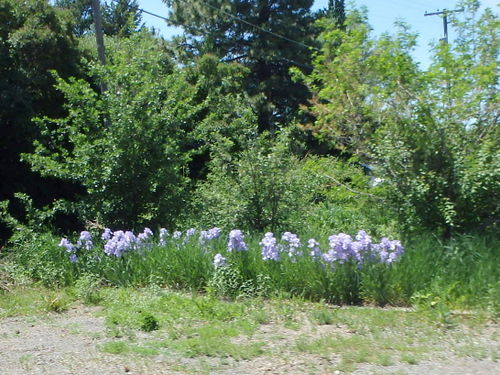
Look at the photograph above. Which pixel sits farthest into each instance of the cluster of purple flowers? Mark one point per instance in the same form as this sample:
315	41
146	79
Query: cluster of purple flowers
269	247
314	250
342	248
291	244
208	235
123	241
219	260
388	251
236	241
163	237
271	250
145	236
70	248
84	243
190	232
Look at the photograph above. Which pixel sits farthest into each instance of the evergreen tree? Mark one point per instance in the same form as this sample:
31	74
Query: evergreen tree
245	31
80	12
336	11
121	18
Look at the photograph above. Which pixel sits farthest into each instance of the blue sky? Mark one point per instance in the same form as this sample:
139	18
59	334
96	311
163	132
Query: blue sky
382	15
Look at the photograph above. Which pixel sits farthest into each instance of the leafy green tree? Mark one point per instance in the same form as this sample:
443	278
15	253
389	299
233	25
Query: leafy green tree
34	40
432	135
242	31
132	147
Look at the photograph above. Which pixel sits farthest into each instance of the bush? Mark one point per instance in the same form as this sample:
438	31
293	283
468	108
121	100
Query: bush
267	188
259	189
132	147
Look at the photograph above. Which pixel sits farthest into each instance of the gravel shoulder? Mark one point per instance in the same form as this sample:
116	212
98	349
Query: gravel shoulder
71	342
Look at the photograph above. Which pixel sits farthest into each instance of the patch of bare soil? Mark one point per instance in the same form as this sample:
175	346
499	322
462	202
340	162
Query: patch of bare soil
61	344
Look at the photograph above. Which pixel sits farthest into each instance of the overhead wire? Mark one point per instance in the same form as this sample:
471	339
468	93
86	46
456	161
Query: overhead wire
238	19
147	12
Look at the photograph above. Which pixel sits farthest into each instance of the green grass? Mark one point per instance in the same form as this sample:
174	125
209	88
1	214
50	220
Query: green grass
192	325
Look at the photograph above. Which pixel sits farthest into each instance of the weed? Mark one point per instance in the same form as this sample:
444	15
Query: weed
115	347
26	361
260	316
408	358
87	289
434	307
55	302
227	282
148	322
385	359
323	316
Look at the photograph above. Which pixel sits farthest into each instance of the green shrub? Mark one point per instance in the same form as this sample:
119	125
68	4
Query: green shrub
265	187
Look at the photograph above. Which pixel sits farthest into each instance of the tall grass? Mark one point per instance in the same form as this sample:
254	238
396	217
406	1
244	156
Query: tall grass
463	272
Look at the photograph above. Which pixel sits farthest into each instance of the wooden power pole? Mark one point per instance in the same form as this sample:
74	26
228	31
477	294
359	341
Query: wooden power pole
96	11
445	13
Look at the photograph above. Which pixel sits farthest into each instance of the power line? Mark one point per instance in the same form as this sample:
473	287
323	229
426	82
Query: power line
147	12
238	19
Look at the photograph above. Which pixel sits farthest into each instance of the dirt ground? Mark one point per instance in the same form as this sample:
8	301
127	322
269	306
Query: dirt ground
69	343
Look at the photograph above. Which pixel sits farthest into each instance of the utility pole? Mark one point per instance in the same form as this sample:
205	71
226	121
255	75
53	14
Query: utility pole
445	13
96	11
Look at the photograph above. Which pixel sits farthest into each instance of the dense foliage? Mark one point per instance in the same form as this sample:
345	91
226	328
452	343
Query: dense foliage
433	135
131	147
34	39
242	31
324	130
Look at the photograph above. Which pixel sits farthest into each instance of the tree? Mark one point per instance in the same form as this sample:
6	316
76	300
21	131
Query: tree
120	17
433	135
242	31
34	40
132	147
80	12
336	10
